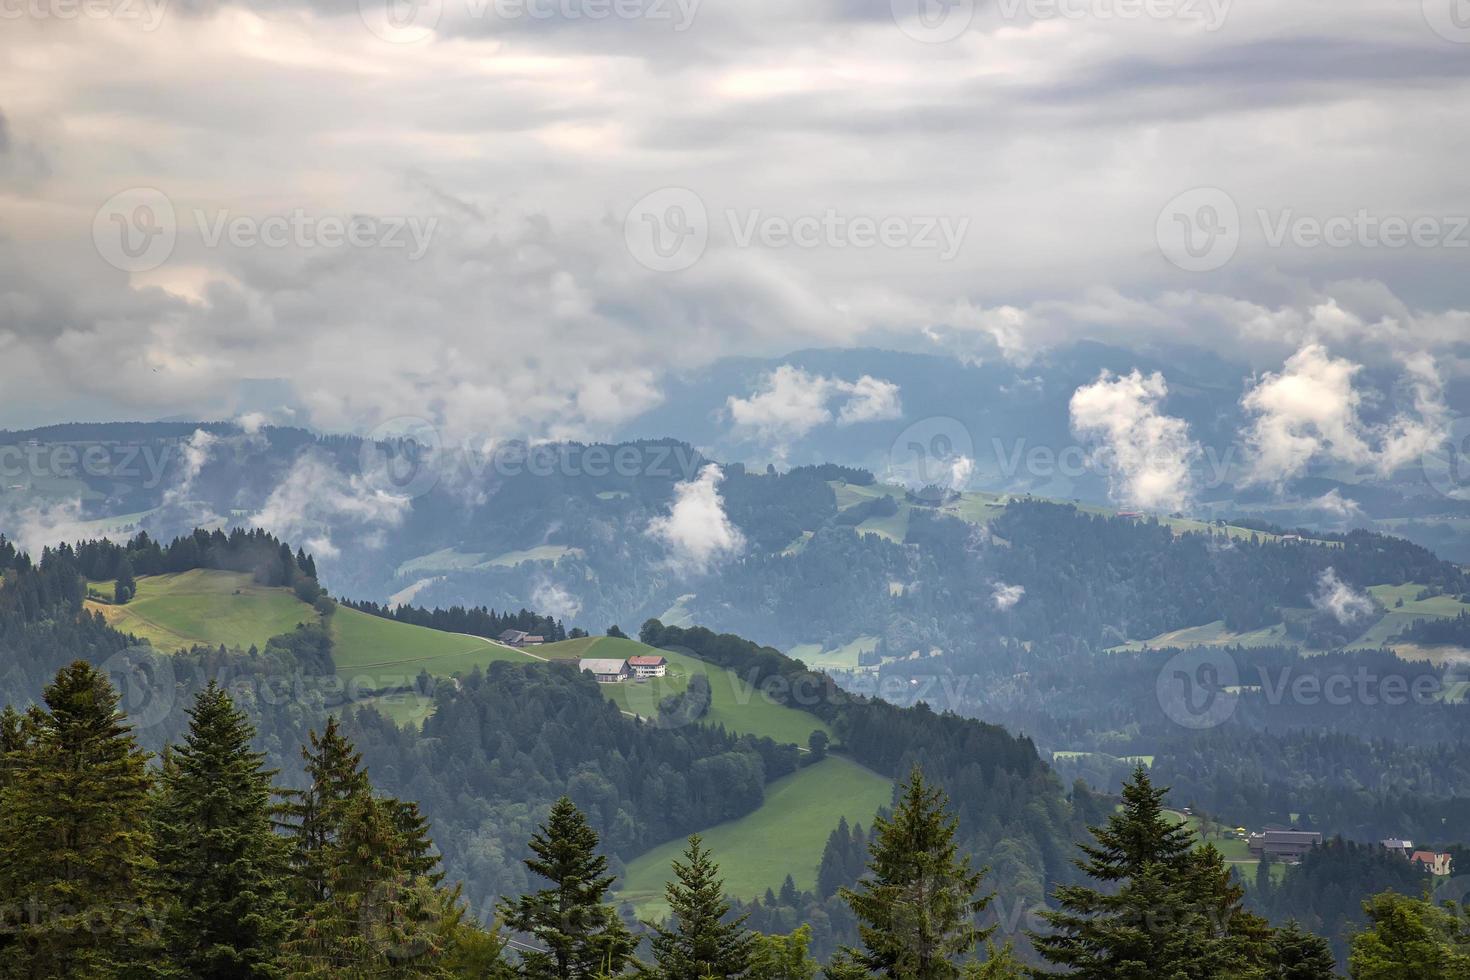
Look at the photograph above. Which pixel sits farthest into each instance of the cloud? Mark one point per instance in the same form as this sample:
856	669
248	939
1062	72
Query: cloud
44	524
696	530
1005	596
1340	600
316	501
1310	411
527	317
551	599
1334	504
1147	454
790	402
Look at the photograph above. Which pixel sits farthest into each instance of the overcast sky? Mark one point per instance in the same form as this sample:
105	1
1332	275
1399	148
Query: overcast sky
553	204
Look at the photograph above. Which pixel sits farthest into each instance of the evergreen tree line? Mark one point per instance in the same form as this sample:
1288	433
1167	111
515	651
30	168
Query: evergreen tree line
477	621
268	559
198	866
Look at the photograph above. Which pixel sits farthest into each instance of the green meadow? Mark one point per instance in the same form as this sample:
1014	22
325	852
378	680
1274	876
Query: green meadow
785	835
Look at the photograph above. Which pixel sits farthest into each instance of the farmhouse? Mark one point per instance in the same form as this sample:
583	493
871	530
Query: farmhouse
648	666
519	638
1396	845
606	671
1437	864
1283	845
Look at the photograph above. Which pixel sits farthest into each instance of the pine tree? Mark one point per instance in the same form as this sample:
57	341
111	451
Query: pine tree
75	838
314	816
1299	955
220	865
703	946
1167	909
917	910
124	587
1410	939
581	934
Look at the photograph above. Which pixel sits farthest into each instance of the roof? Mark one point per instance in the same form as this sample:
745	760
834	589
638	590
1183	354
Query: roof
512	635
646	661
601	666
1428	857
1288	836
1397	844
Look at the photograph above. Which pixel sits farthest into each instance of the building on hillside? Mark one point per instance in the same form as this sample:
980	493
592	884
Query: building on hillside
605	671
531	640
1282	845
648	666
1436	863
1403	848
513	638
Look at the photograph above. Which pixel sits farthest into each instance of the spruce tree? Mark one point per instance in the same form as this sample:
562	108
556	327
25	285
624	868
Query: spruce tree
314	816
220	865
1165	910
580	933
702	946
917	911
75	837
1299	955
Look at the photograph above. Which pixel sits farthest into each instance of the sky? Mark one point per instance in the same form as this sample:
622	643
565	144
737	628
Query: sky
523	217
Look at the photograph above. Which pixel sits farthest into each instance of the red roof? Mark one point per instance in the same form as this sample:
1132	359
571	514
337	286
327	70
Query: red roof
1427	857
646	661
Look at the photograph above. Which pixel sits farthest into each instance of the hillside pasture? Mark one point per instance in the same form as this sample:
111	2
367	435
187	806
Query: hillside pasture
204	607
734	703
785	835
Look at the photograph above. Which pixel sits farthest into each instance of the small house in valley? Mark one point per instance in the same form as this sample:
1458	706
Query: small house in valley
654	666
606	671
1283	845
1435	862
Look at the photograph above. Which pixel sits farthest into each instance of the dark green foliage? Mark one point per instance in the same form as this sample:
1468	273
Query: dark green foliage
917	909
1411	939
125	587
1299	955
704	942
580	933
478	621
221	868
75	838
1163	909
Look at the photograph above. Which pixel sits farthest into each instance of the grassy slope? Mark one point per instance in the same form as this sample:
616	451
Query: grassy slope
451	560
174	612
371	648
735	704
844	657
784	836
